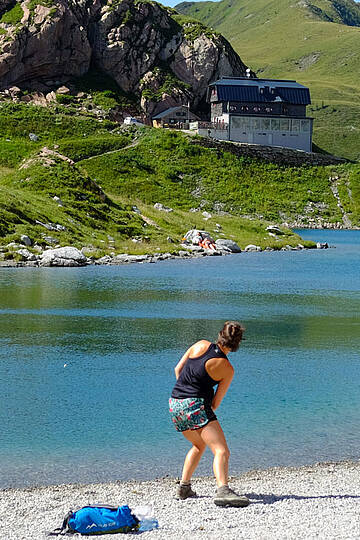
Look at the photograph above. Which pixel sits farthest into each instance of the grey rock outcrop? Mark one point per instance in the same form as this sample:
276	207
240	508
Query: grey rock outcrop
26	255
25	240
195	236
229	245
162	208
252	247
48	42
141	45
274	229
64	256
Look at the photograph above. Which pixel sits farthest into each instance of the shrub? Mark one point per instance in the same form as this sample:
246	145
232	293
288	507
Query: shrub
13	16
63	99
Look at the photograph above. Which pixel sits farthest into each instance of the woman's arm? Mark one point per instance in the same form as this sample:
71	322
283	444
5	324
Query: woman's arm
179	366
223	386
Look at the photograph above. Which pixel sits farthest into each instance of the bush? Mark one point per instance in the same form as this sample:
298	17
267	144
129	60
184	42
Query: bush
13	16
63	99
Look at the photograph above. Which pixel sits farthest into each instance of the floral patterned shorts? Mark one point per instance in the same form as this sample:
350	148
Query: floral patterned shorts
190	413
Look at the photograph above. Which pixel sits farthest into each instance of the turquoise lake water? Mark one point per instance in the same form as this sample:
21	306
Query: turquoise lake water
295	398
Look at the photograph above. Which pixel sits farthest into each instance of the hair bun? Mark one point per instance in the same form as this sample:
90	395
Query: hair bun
231	335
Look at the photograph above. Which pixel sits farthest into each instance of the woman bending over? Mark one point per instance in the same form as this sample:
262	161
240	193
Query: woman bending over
192	405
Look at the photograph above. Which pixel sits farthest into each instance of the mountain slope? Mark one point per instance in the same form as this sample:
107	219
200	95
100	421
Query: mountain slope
315	42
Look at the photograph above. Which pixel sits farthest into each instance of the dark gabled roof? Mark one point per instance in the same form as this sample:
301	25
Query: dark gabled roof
261	90
171	111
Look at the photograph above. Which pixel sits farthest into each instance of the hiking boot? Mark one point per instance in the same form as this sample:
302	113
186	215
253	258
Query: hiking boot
227	497
184	491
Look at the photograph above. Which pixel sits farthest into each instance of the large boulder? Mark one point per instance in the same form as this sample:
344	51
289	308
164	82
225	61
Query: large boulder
64	256
227	245
26	255
195	236
274	229
143	46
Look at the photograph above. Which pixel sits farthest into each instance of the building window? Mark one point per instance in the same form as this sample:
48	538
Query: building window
284	124
266	124
305	126
295	125
275	124
246	123
236	122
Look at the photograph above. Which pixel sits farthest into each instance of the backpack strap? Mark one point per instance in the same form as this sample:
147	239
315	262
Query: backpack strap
64	529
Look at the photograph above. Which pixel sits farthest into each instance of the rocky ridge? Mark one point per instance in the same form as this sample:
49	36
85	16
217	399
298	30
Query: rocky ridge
147	49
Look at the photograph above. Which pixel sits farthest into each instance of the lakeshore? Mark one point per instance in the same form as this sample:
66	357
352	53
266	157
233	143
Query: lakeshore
59	258
316	501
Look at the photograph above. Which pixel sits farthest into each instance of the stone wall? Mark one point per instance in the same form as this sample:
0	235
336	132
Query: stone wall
273	154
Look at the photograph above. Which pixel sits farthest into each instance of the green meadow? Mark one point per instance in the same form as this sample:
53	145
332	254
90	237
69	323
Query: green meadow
315	43
100	172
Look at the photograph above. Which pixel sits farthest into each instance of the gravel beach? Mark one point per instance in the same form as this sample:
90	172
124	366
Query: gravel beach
321	501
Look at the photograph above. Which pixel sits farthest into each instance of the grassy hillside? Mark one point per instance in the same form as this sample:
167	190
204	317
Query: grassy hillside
317	43
79	181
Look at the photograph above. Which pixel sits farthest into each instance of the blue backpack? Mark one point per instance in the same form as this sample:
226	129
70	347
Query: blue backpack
99	519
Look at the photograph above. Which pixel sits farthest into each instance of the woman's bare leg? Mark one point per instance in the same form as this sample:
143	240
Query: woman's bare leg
194	455
213	436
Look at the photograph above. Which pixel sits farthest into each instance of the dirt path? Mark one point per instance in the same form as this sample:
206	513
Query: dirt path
132	145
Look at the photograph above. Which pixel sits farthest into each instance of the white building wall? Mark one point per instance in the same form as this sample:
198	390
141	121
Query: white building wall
264	131
293	133
299	141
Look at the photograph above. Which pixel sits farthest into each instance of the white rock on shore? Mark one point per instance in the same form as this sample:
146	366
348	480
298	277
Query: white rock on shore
63	256
320	501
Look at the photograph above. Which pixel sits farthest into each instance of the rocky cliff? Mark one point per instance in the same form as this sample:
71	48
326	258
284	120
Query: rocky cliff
151	51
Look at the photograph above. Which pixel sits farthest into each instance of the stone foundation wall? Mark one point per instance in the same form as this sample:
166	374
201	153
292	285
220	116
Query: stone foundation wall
273	154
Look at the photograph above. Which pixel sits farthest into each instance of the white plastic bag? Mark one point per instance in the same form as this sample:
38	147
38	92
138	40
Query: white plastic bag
145	515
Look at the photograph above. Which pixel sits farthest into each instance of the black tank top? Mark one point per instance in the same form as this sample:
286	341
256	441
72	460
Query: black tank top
194	381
